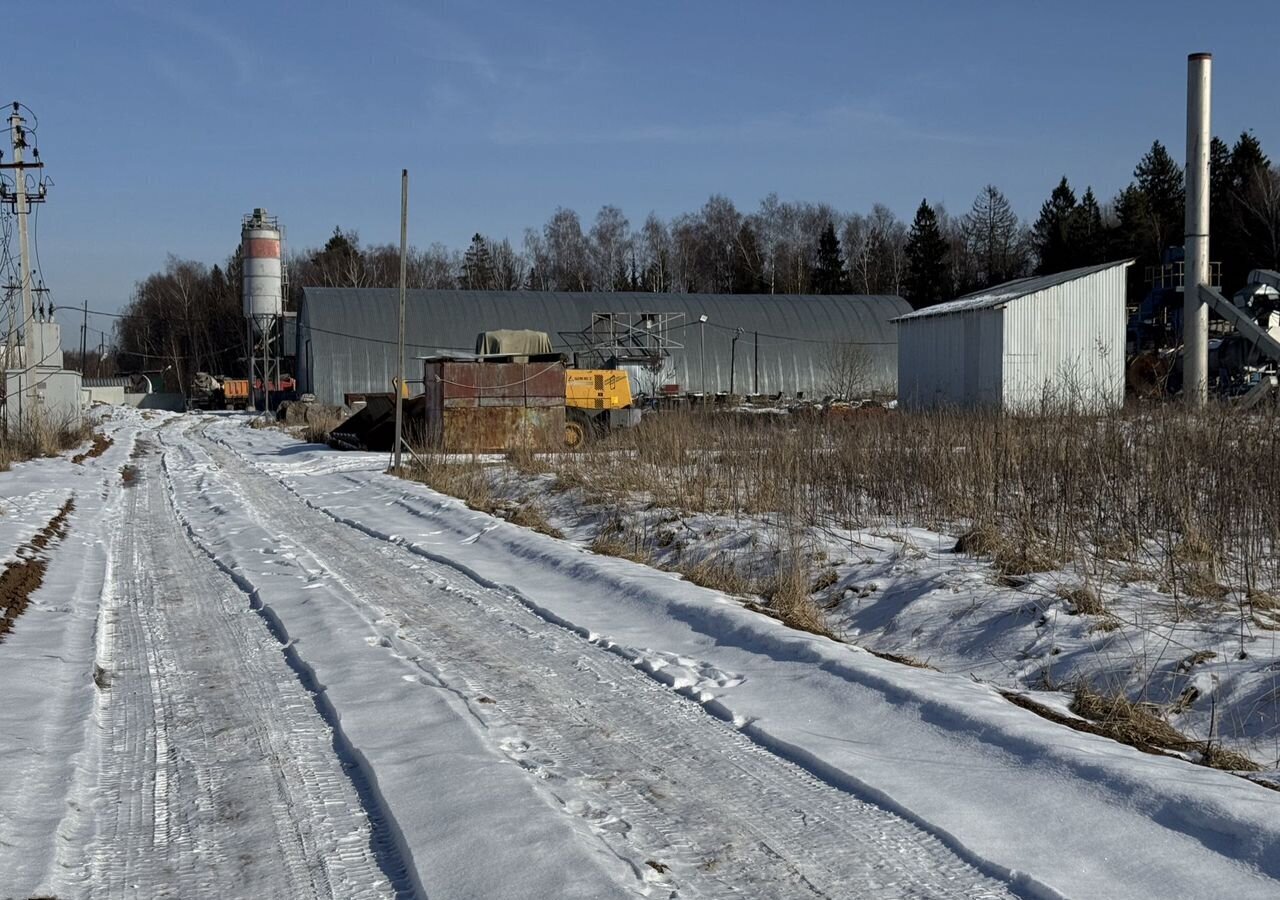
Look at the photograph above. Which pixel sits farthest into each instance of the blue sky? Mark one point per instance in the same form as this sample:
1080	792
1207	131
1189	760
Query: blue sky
163	122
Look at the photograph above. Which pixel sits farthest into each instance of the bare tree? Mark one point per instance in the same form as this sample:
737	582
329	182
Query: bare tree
538	260
435	268
848	372
610	249
655	255
509	268
568	255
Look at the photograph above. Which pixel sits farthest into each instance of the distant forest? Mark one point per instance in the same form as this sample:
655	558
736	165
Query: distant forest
188	315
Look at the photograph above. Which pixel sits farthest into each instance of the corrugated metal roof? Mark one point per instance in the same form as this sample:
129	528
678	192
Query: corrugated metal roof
347	336
1010	290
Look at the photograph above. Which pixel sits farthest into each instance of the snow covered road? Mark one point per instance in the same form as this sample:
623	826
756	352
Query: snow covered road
282	673
208	766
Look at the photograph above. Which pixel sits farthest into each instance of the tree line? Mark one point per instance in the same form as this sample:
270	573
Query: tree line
188	315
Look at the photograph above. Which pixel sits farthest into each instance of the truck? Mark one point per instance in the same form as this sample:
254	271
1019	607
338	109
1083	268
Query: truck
218	392
235	392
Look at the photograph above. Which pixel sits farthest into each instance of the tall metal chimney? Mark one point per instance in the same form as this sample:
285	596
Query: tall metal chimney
1195	314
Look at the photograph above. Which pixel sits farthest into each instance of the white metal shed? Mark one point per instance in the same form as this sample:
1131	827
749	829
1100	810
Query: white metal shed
1054	338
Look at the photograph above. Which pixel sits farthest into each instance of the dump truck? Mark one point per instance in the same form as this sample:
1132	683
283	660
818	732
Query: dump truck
235	392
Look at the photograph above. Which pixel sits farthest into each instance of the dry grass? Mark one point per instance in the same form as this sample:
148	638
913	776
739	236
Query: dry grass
1084	600
718	572
1139	725
529	515
903	659
981	540
616	538
320	424
787	592
1262	601
1028	492
1215	756
464	479
1135	724
35	438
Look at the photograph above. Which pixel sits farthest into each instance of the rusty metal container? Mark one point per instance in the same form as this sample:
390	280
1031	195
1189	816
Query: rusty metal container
474	406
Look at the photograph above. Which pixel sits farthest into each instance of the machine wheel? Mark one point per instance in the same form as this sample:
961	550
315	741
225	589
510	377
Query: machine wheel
575	434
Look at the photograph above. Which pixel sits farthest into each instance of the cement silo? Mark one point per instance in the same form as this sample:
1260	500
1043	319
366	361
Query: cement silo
260	250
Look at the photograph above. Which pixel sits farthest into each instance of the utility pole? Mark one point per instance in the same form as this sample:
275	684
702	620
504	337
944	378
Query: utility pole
733	359
702	352
17	132
21	202
755	372
84	333
404	241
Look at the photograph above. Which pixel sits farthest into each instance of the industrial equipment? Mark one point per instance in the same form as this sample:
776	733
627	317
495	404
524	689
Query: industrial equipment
215	392
206	392
261	239
596	400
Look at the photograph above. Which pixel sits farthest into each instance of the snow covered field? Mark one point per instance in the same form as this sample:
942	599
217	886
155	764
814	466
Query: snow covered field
262	668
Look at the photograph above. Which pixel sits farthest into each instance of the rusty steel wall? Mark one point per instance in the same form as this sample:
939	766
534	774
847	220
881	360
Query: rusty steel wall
495	429
487	407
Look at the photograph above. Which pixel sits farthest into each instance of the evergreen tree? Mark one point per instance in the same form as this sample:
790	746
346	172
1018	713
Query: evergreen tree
1255	212
995	240
928	278
1223	227
1247	158
1052	233
828	273
1088	233
477	265
340	263
1159	179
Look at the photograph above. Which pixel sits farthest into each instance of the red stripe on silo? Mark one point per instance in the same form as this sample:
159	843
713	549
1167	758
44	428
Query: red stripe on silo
262	247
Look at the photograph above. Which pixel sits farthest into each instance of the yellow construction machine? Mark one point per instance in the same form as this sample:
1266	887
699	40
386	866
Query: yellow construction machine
596	400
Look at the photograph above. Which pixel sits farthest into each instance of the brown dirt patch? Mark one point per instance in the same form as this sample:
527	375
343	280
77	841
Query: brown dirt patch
129	475
25	574
101	443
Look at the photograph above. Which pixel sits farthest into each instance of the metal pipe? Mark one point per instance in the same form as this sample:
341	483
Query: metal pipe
1195	313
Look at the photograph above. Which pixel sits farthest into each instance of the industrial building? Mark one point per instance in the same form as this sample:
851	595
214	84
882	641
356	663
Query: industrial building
1057	338
767	344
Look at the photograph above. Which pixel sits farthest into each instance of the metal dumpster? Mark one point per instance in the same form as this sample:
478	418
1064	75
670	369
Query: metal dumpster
483	406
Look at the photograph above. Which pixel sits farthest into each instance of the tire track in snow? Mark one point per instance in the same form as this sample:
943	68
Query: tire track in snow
647	772
211	774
